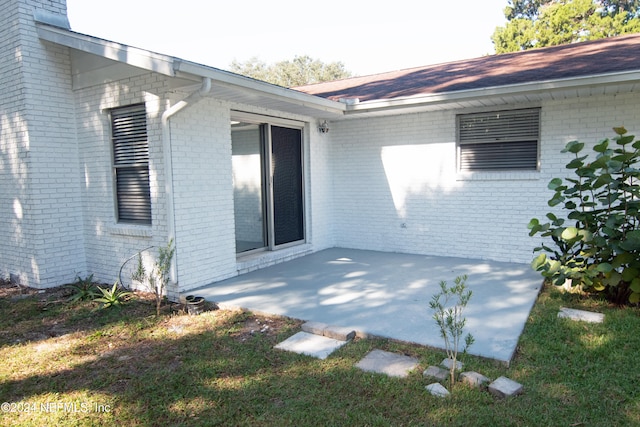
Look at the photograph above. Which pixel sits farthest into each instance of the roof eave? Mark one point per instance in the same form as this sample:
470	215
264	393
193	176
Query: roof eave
135	57
175	67
225	78
520	89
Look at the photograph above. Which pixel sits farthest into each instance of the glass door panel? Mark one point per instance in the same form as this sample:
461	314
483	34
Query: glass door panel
287	192
248	186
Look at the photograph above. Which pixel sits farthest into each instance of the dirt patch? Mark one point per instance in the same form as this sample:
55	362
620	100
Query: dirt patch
10	290
52	315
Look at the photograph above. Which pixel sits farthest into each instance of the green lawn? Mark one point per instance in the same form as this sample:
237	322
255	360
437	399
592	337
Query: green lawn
67	364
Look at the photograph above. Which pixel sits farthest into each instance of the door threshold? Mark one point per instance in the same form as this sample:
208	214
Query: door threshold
257	260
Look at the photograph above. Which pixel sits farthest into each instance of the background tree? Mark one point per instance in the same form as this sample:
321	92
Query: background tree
300	71
539	23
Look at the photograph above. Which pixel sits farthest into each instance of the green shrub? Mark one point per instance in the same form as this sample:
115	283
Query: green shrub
597	246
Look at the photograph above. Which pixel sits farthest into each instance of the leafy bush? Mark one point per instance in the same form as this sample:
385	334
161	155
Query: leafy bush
599	249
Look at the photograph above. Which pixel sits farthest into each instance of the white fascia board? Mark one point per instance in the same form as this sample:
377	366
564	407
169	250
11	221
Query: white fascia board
175	67
504	91
133	56
225	78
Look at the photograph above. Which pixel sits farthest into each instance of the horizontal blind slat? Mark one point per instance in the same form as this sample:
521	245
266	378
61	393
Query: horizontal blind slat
499	140
131	162
496	126
509	155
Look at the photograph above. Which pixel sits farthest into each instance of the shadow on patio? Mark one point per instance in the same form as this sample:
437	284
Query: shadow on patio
387	295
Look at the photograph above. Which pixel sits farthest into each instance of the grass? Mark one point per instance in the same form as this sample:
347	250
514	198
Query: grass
66	364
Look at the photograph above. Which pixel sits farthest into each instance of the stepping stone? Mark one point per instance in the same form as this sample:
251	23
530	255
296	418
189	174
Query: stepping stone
384	362
331	331
316	328
585	316
437	389
436	373
474	379
504	387
446	363
311	345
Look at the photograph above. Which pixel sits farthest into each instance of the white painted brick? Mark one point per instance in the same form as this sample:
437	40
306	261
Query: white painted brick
39	182
476	217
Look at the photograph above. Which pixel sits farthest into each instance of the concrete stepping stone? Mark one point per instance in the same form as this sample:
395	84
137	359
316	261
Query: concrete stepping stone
437	389
505	387
384	362
446	363
474	379
436	373
583	315
311	345
331	331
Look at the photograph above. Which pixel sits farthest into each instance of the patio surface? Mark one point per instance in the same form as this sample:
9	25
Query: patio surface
387	295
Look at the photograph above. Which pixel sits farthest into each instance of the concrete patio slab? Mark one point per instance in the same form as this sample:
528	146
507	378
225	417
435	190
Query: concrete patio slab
387	295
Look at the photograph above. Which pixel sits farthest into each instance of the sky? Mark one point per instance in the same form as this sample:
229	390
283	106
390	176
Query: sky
366	37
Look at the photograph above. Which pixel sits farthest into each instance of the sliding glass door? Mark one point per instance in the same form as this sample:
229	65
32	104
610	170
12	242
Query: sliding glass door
268	185
286	170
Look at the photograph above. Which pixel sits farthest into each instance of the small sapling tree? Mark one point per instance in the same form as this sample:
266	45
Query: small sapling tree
450	319
158	278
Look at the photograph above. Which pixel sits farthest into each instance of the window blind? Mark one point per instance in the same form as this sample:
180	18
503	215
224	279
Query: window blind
131	164
499	140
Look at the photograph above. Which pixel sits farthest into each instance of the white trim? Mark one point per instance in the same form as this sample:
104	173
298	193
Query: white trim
258	119
266	158
225	78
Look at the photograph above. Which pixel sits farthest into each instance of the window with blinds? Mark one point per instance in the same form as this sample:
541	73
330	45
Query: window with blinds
131	164
499	140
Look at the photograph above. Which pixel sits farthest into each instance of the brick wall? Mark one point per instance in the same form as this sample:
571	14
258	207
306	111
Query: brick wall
396	188
40	199
201	150
109	244
320	188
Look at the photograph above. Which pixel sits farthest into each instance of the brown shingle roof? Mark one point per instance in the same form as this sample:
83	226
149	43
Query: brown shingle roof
603	56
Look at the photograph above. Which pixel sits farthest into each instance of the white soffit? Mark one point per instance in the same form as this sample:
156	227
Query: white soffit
97	61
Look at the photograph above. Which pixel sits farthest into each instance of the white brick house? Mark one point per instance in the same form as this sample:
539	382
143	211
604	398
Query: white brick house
237	172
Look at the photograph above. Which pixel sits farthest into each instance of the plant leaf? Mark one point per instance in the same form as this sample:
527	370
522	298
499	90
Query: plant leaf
569	233
604	267
573	147
632	241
